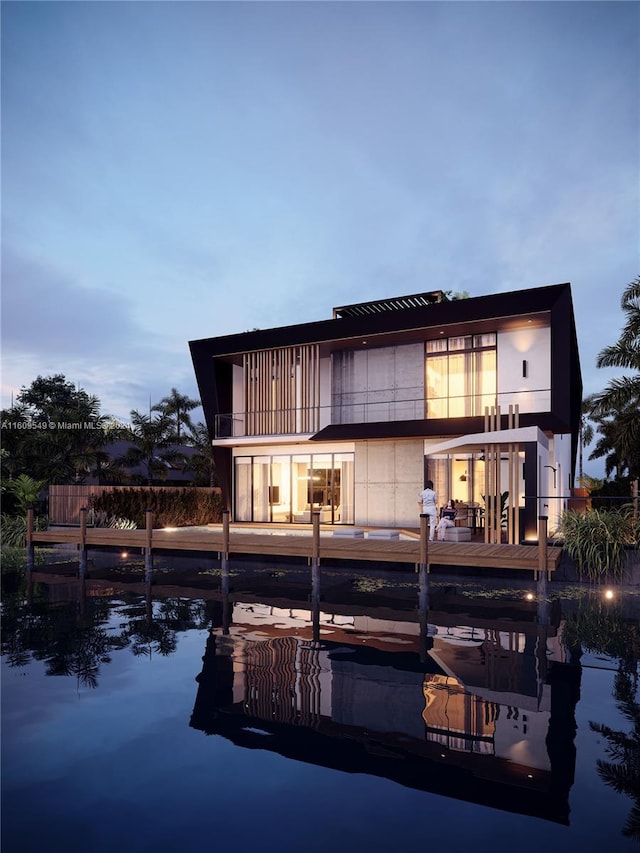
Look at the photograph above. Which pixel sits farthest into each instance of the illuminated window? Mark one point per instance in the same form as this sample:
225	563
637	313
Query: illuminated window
460	375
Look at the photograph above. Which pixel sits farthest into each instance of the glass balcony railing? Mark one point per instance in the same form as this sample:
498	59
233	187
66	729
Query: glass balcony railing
375	409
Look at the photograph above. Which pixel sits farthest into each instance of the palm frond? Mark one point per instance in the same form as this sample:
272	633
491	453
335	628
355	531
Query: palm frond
625	354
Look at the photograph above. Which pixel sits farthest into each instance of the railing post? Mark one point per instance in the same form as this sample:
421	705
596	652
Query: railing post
148	556
83	542
29	540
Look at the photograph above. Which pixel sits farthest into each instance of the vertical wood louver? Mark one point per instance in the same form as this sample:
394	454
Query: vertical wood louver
282	390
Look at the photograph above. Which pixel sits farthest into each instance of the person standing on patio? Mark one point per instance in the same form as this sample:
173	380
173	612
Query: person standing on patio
428	501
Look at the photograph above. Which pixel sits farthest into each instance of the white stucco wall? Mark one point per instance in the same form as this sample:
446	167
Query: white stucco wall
533	392
388	479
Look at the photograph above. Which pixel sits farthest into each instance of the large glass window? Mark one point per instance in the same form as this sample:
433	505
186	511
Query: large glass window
243	489
460	375
289	488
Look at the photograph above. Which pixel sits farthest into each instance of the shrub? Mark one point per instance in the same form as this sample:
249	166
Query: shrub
13	560
171	507
13	532
597	541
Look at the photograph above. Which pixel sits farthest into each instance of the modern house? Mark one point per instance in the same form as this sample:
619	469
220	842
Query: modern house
350	416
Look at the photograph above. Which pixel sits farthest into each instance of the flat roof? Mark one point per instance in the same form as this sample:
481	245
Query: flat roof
395	303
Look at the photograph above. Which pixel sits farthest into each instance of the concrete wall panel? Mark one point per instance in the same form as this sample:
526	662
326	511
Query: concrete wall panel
388	481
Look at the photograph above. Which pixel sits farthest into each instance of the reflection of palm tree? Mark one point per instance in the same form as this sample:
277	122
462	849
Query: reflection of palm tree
80	652
72	640
153	637
604	630
623	772
157	627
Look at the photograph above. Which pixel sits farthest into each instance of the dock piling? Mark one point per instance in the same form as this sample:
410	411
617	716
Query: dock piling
315	556
83	542
224	555
148	554
542	574
29	539
424	542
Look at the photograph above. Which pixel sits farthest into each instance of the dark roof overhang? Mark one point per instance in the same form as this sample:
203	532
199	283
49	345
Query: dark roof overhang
386	328
431	429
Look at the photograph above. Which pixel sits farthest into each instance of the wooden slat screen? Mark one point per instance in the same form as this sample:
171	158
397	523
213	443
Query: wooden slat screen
282	390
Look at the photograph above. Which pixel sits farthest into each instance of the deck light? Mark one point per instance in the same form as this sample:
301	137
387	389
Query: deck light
609	594
529	596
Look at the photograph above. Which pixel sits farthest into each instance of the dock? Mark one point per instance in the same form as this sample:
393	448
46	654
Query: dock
323	546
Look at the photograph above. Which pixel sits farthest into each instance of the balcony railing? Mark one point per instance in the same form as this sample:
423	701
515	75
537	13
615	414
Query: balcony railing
346	410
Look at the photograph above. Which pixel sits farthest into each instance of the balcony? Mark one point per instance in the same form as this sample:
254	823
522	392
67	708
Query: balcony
374	409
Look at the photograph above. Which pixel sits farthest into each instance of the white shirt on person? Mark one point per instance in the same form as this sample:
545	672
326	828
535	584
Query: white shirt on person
429	500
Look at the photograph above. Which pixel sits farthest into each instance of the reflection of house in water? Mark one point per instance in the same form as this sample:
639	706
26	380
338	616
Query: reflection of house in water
485	715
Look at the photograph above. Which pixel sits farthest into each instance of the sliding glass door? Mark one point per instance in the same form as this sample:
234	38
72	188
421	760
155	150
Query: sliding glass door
289	488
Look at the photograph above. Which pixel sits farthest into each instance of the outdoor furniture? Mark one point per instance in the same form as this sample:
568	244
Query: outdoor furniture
457	534
383	534
349	532
306	516
462	515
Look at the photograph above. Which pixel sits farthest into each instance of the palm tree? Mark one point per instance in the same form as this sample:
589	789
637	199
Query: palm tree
177	407
616	410
585	437
618	441
203	464
152	446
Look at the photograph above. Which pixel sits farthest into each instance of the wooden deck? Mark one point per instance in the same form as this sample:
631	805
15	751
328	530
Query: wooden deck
279	543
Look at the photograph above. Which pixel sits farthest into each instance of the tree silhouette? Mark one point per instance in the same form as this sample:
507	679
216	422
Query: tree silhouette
176	407
616	410
151	446
622	773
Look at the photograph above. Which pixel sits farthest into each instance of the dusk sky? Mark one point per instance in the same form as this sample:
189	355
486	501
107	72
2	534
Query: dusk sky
181	170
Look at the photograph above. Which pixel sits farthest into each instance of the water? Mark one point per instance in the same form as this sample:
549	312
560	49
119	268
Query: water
181	719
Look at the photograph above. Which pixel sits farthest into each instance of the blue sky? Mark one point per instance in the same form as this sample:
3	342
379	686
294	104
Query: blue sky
178	170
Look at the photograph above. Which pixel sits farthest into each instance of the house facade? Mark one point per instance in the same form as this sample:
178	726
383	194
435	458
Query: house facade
351	415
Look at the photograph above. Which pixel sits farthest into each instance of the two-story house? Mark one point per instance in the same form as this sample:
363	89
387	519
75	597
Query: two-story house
350	416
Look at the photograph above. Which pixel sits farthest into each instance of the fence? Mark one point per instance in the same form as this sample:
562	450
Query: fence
65	502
